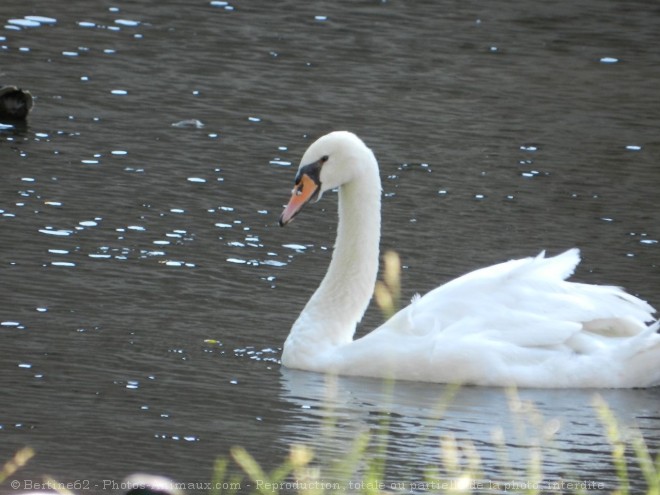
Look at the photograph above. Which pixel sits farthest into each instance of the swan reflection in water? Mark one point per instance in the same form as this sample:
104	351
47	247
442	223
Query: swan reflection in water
505	427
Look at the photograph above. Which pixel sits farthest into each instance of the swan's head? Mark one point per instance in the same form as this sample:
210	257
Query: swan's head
330	162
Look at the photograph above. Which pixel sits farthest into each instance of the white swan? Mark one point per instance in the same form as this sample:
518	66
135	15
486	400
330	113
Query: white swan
516	323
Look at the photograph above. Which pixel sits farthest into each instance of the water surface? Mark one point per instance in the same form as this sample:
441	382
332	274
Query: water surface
147	289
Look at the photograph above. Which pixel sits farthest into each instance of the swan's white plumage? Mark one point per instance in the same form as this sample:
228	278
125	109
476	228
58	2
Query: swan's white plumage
516	323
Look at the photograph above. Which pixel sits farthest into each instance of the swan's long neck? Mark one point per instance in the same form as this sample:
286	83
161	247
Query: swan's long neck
331	315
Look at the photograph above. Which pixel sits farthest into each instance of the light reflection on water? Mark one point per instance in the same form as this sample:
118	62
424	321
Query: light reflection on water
147	289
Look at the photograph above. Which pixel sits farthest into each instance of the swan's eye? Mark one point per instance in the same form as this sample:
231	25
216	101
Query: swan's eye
310	174
324	158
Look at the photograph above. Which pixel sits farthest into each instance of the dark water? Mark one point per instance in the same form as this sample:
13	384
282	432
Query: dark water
145	288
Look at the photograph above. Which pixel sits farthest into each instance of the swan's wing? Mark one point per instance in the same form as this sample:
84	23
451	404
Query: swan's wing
518	323
525	302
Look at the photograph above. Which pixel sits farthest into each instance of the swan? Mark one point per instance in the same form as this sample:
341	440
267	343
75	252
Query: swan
518	323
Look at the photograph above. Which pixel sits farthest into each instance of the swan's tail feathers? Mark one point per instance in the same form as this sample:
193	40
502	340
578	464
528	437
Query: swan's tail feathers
615	312
641	363
561	266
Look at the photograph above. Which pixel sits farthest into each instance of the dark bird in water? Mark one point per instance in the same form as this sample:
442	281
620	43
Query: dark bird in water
15	103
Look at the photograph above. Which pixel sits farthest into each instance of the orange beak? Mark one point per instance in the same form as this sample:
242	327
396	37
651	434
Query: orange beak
303	192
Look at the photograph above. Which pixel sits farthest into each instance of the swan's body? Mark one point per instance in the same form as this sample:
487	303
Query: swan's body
516	323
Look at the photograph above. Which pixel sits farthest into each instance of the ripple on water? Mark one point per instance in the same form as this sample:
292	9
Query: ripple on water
238	261
24	23
105	252
11	324
268	354
127	22
529	174
66	264
176	437
88	223
276	263
58	251
176	264
222	5
56	232
296	247
100	256
280	162
145	253
41	19
189	123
